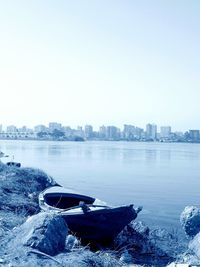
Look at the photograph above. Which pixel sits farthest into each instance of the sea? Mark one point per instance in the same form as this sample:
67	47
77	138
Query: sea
161	177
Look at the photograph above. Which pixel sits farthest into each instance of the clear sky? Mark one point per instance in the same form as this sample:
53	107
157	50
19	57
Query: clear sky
100	62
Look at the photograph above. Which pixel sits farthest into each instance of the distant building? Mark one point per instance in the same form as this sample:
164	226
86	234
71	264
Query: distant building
139	132
68	131
179	134
79	128
88	131
55	126
79	131
194	135
40	128
102	131
23	129
11	129
165	131
112	133
1	128
129	132
151	131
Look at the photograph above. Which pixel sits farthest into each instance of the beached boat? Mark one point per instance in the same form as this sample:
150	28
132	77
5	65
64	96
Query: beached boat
88	218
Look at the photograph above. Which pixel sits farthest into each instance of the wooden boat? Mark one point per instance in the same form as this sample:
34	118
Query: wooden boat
88	218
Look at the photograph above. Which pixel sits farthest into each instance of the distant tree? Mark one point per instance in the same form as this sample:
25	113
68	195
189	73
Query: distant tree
79	139
42	134
57	134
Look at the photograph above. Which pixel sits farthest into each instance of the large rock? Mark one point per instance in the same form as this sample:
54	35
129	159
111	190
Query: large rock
135	235
194	245
146	246
190	220
45	232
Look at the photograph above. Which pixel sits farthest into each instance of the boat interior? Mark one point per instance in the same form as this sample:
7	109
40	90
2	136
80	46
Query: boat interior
66	200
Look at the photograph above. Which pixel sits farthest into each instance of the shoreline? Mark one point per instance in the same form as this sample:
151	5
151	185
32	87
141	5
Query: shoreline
111	141
19	189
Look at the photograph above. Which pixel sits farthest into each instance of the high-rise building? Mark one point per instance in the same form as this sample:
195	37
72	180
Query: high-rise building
151	131
1	128
88	131
102	131
112	133
138	132
194	135
165	131
129	131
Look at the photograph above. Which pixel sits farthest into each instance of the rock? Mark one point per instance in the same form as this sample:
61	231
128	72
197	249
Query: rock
194	245
45	232
167	243
135	235
155	247
190	220
186	259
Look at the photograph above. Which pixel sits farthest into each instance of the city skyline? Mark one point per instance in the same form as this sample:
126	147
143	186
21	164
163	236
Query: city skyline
130	61
97	126
148	127
57	131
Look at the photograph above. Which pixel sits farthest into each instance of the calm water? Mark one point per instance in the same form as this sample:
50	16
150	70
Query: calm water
161	177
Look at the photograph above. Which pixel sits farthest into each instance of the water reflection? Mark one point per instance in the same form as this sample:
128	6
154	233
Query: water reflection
151	155
165	155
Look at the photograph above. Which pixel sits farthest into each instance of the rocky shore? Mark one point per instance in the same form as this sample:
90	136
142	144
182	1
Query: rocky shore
29	237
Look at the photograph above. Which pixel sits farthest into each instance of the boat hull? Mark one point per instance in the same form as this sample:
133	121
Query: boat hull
100	226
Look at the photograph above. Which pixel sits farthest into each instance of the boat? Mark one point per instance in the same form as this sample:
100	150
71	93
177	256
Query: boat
88	218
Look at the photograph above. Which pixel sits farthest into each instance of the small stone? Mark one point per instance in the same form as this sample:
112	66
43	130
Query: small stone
126	257
71	242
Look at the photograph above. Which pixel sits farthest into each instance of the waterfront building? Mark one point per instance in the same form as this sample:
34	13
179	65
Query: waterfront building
79	128
11	129
22	133
129	132
1	128
102	131
68	131
79	131
55	126
194	135
88	131
139	133
165	131
151	131
23	129
40	128
179	134
112	133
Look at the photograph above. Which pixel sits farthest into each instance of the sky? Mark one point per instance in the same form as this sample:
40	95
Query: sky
100	62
